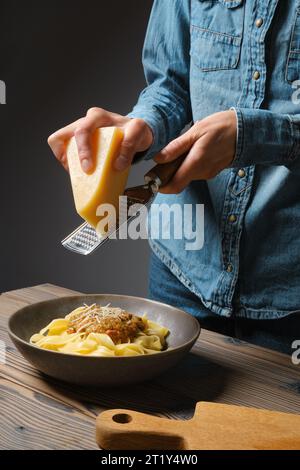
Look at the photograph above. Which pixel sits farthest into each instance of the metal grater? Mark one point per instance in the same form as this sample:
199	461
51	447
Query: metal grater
84	240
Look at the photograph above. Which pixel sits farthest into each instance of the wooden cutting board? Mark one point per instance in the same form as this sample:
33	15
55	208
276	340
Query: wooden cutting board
213	427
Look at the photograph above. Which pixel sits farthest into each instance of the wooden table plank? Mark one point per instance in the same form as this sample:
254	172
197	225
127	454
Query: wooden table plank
220	369
29	420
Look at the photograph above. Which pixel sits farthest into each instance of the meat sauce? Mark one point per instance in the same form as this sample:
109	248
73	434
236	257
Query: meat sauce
120	326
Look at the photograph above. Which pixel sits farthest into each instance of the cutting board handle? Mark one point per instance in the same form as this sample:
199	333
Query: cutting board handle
129	430
215	426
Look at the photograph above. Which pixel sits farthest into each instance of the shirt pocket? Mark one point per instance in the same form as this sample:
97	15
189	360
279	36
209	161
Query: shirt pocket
216	33
293	61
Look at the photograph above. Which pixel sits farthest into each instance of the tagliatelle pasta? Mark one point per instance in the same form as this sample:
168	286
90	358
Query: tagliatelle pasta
102	331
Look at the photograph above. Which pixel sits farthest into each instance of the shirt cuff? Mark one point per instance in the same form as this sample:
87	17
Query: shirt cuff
265	138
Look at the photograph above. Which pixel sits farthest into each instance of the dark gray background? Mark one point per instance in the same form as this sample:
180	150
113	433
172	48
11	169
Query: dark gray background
58	58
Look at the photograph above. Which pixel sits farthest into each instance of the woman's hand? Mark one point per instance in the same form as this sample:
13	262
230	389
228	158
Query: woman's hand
137	138
211	146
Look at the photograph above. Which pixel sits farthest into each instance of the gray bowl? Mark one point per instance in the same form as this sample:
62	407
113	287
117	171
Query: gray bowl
103	371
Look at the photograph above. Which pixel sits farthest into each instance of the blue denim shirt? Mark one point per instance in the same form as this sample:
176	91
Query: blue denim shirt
200	57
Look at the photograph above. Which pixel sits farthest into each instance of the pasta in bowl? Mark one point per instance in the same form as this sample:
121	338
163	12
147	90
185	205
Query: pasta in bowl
135	341
93	330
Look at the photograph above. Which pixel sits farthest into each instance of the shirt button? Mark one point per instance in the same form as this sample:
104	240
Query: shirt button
242	173
256	75
232	218
259	22
229	268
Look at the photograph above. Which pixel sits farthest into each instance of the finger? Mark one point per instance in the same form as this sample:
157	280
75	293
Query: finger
57	143
104	118
57	140
187	172
179	146
95	118
132	137
84	137
64	163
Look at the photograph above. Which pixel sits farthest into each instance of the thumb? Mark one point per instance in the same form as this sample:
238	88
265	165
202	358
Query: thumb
133	132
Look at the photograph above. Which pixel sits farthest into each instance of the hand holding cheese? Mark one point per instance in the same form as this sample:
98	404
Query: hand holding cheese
105	184
137	138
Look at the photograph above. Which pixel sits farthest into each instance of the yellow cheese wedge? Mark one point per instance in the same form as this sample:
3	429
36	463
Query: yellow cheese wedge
105	184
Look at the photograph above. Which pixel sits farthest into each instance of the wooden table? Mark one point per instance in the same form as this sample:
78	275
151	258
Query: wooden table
42	413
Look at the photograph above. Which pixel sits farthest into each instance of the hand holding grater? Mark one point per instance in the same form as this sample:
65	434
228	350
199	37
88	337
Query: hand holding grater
85	240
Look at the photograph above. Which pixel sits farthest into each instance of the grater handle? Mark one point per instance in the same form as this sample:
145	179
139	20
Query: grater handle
162	173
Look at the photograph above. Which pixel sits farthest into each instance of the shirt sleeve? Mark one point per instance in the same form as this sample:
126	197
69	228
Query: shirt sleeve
266	138
165	103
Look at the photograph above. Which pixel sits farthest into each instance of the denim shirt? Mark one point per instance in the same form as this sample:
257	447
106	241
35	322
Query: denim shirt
204	56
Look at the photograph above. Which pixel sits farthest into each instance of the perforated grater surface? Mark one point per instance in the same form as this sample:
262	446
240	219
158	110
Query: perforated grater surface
84	240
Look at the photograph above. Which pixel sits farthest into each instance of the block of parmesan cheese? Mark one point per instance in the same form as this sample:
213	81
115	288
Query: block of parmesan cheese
105	184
